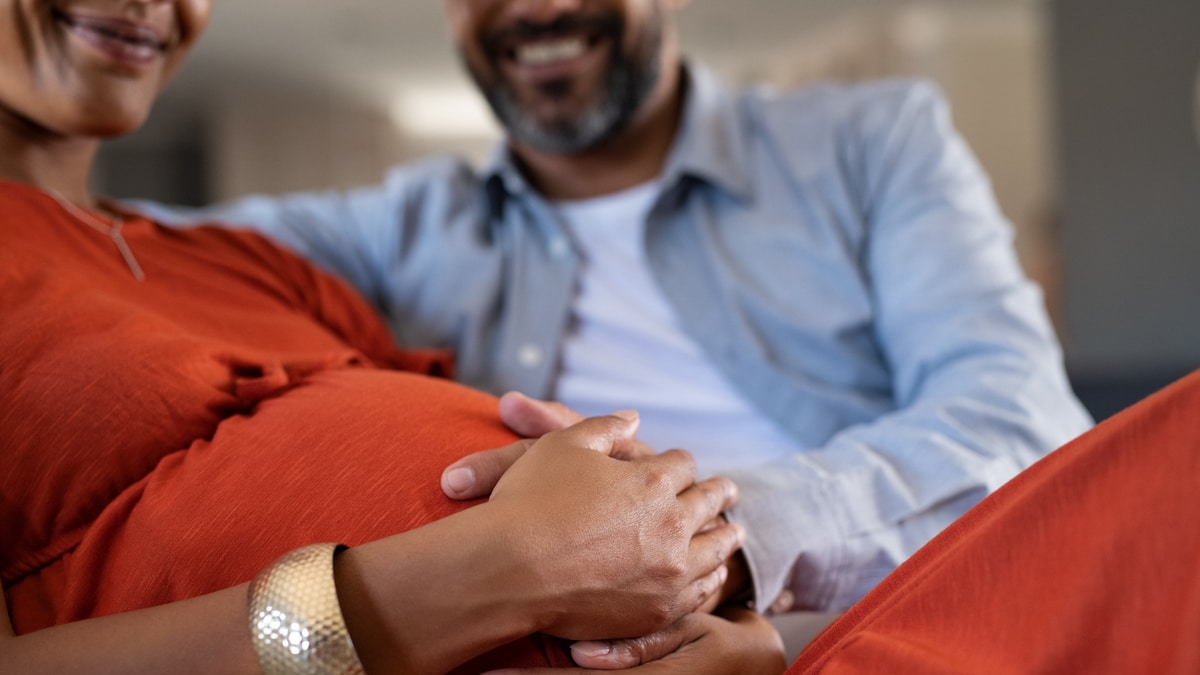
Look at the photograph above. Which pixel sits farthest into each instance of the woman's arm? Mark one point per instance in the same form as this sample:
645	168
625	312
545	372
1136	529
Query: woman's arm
573	543
208	634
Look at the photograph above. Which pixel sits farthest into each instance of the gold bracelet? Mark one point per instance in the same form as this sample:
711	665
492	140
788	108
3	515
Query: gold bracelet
296	623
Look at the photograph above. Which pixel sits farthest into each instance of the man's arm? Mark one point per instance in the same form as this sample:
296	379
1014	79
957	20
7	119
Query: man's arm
977	376
369	236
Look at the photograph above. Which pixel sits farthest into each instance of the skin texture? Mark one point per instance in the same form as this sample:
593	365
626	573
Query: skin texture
733	641
538	568
59	95
534	577
477	474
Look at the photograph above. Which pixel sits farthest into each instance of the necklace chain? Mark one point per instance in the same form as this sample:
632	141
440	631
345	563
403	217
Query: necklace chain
112	231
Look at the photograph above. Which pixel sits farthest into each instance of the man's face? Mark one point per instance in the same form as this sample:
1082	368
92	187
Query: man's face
561	75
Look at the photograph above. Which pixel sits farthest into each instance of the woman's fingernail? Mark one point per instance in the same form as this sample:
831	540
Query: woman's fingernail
460	480
592	649
627	415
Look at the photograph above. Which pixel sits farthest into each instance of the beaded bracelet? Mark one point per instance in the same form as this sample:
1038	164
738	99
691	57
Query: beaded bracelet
296	623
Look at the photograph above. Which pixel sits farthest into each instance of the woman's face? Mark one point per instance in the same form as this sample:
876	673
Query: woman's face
91	67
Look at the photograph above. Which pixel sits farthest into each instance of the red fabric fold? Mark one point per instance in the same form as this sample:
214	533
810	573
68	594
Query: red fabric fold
1088	562
167	438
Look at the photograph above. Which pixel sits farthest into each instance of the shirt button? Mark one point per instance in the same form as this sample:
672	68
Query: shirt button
529	356
559	248
784	603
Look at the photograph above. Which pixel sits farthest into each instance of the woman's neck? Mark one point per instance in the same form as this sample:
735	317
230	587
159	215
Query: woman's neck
39	157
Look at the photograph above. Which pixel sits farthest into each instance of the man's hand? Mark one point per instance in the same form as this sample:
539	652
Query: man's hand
738	642
476	475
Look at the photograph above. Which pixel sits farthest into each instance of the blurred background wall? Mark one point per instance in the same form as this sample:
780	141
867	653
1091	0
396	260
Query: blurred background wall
1086	114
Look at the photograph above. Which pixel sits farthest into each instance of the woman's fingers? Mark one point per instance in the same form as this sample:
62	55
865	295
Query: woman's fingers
704	589
713	546
708	560
704	502
677	469
477	474
534	418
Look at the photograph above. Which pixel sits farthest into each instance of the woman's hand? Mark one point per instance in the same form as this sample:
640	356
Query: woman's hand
738	642
613	547
476	474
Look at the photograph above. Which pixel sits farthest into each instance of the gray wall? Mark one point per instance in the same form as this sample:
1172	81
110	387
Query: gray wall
166	160
1126	76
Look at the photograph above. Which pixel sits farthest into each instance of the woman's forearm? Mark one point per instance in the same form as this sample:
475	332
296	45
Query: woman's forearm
420	602
432	598
208	634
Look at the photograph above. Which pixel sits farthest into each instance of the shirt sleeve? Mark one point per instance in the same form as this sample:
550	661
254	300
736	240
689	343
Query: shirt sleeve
977	376
363	235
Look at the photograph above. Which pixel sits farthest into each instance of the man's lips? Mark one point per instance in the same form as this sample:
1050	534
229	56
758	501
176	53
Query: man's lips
122	40
555	59
549	51
542	45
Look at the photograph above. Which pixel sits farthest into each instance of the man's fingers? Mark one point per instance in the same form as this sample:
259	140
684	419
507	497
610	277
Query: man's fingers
615	654
477	474
705	500
532	418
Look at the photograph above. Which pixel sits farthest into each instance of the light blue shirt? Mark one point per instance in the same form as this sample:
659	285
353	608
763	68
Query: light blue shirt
835	251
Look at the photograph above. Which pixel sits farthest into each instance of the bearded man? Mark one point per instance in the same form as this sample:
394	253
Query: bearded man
812	291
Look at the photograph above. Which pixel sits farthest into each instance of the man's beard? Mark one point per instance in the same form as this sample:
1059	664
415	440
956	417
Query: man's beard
630	76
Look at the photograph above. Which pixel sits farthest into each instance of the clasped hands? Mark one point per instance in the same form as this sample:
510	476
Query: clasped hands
635	547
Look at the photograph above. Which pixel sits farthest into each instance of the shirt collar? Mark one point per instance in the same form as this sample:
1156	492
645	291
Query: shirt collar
708	144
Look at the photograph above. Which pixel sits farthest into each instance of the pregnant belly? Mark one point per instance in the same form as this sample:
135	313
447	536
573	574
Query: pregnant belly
348	456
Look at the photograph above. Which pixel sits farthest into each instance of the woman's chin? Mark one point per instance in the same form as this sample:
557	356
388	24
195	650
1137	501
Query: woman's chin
112	125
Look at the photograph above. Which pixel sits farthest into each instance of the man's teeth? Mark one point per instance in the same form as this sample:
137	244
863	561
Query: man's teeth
542	53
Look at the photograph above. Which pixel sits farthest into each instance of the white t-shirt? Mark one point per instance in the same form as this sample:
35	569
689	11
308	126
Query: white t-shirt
625	349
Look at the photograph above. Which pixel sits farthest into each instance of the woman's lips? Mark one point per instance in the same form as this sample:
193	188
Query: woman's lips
123	41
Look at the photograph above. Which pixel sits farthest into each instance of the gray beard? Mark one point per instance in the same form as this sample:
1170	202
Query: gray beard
630	79
625	89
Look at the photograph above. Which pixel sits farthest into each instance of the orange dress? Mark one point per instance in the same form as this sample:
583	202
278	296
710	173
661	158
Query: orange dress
1088	562
167	438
